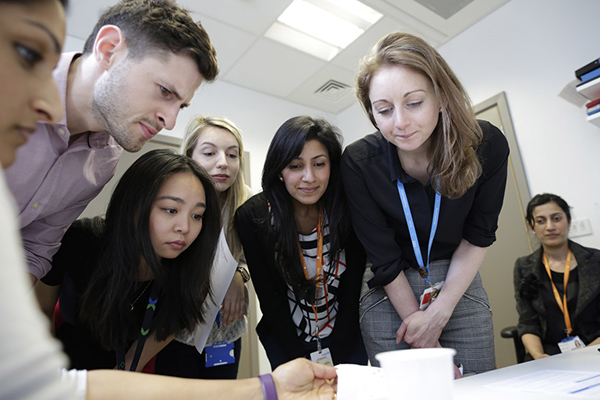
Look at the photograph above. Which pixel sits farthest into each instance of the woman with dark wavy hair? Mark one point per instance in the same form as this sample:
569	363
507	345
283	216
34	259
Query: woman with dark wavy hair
425	192
129	282
546	326
305	261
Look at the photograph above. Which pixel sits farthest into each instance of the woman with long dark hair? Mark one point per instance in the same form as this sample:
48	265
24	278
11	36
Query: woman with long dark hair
215	143
301	250
153	251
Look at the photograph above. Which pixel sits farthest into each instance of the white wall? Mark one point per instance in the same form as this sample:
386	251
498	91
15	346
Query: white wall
530	50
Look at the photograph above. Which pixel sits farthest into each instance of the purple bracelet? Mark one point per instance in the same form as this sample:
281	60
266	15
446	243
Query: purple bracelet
268	387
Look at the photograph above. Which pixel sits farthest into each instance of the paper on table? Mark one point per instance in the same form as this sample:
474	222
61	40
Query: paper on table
359	382
575	384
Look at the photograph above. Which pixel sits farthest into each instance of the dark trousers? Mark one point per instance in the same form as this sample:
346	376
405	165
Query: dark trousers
184	361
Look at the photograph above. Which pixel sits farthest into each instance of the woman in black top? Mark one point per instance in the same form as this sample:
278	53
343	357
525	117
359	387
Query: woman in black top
305	261
152	252
543	323
451	171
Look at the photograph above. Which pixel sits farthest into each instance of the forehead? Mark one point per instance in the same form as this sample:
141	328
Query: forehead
313	148
46	17
182	182
546	210
176	70
217	135
397	78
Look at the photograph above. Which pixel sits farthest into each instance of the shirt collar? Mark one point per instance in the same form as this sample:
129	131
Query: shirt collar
396	170
60	74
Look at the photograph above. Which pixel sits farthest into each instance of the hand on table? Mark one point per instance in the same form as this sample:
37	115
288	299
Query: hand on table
301	379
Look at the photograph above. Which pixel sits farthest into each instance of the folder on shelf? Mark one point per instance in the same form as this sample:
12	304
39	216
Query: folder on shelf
590	75
587	68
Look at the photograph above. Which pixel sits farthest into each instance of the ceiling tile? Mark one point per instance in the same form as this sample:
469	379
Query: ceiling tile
452	26
253	16
305	93
273	68
231	43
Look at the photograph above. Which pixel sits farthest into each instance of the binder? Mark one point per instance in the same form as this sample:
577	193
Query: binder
587	68
590	75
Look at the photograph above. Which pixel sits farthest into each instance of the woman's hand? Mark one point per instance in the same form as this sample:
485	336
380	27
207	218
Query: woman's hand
234	303
302	379
421	329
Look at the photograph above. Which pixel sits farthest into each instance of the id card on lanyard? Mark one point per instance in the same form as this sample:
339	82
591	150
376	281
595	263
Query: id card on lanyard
322	355
431	293
220	352
570	342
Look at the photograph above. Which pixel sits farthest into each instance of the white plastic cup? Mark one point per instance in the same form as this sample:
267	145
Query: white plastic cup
419	374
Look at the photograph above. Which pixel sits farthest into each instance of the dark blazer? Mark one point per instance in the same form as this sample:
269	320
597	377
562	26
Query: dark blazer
276	329
532	312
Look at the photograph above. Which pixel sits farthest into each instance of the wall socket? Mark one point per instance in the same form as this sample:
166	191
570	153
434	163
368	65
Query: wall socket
580	227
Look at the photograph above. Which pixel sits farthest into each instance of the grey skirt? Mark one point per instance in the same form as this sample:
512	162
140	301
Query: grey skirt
469	330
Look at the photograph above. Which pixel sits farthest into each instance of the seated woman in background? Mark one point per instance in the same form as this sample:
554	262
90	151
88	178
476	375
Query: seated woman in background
305	261
131	281
215	143
546	326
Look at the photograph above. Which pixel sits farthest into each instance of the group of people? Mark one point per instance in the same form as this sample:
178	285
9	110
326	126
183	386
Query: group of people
351	252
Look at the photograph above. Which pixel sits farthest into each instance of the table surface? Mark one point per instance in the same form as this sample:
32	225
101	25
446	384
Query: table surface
585	360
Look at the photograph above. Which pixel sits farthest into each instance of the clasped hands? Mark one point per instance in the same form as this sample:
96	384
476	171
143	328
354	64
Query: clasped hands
422	329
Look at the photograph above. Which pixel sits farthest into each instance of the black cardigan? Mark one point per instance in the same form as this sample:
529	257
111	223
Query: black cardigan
276	323
529	270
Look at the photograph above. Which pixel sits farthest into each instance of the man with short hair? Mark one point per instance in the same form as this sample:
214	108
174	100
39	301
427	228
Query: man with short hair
142	63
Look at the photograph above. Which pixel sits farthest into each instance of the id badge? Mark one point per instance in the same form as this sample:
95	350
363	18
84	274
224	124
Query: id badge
322	357
220	353
570	343
429	295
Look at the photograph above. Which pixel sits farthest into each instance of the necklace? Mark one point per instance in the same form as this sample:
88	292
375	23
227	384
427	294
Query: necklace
140	295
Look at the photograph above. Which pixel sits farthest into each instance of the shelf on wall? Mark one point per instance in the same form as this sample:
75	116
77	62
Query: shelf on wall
594	119
590	89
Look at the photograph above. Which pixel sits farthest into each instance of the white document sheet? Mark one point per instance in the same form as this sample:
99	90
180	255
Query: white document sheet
571	384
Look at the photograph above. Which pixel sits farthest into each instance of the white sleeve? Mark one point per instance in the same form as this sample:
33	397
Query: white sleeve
31	360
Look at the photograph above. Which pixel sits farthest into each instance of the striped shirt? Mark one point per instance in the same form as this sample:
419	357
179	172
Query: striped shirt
308	324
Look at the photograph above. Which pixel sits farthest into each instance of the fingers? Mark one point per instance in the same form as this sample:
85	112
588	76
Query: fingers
400	333
320	371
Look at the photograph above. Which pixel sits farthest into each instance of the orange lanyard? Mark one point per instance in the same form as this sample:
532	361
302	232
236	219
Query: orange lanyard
562	304
320	279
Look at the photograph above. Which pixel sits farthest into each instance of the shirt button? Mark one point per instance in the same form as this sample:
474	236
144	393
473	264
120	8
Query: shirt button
35	205
61	131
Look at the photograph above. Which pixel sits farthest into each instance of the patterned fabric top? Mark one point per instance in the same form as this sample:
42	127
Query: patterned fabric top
307	322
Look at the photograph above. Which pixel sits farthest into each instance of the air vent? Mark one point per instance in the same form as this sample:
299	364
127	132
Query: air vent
445	8
332	90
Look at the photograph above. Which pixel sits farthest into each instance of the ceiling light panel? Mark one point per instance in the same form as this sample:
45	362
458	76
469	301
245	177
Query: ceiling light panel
334	23
319	23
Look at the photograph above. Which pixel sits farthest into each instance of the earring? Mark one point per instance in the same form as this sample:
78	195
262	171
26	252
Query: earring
281	178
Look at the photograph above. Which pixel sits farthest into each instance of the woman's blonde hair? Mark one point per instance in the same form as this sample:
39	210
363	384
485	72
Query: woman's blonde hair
238	192
453	153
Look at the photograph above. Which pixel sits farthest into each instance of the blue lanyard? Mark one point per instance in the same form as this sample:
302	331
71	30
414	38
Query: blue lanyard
423	269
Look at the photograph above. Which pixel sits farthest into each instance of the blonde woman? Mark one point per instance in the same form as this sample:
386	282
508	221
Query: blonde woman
433	163
215	143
